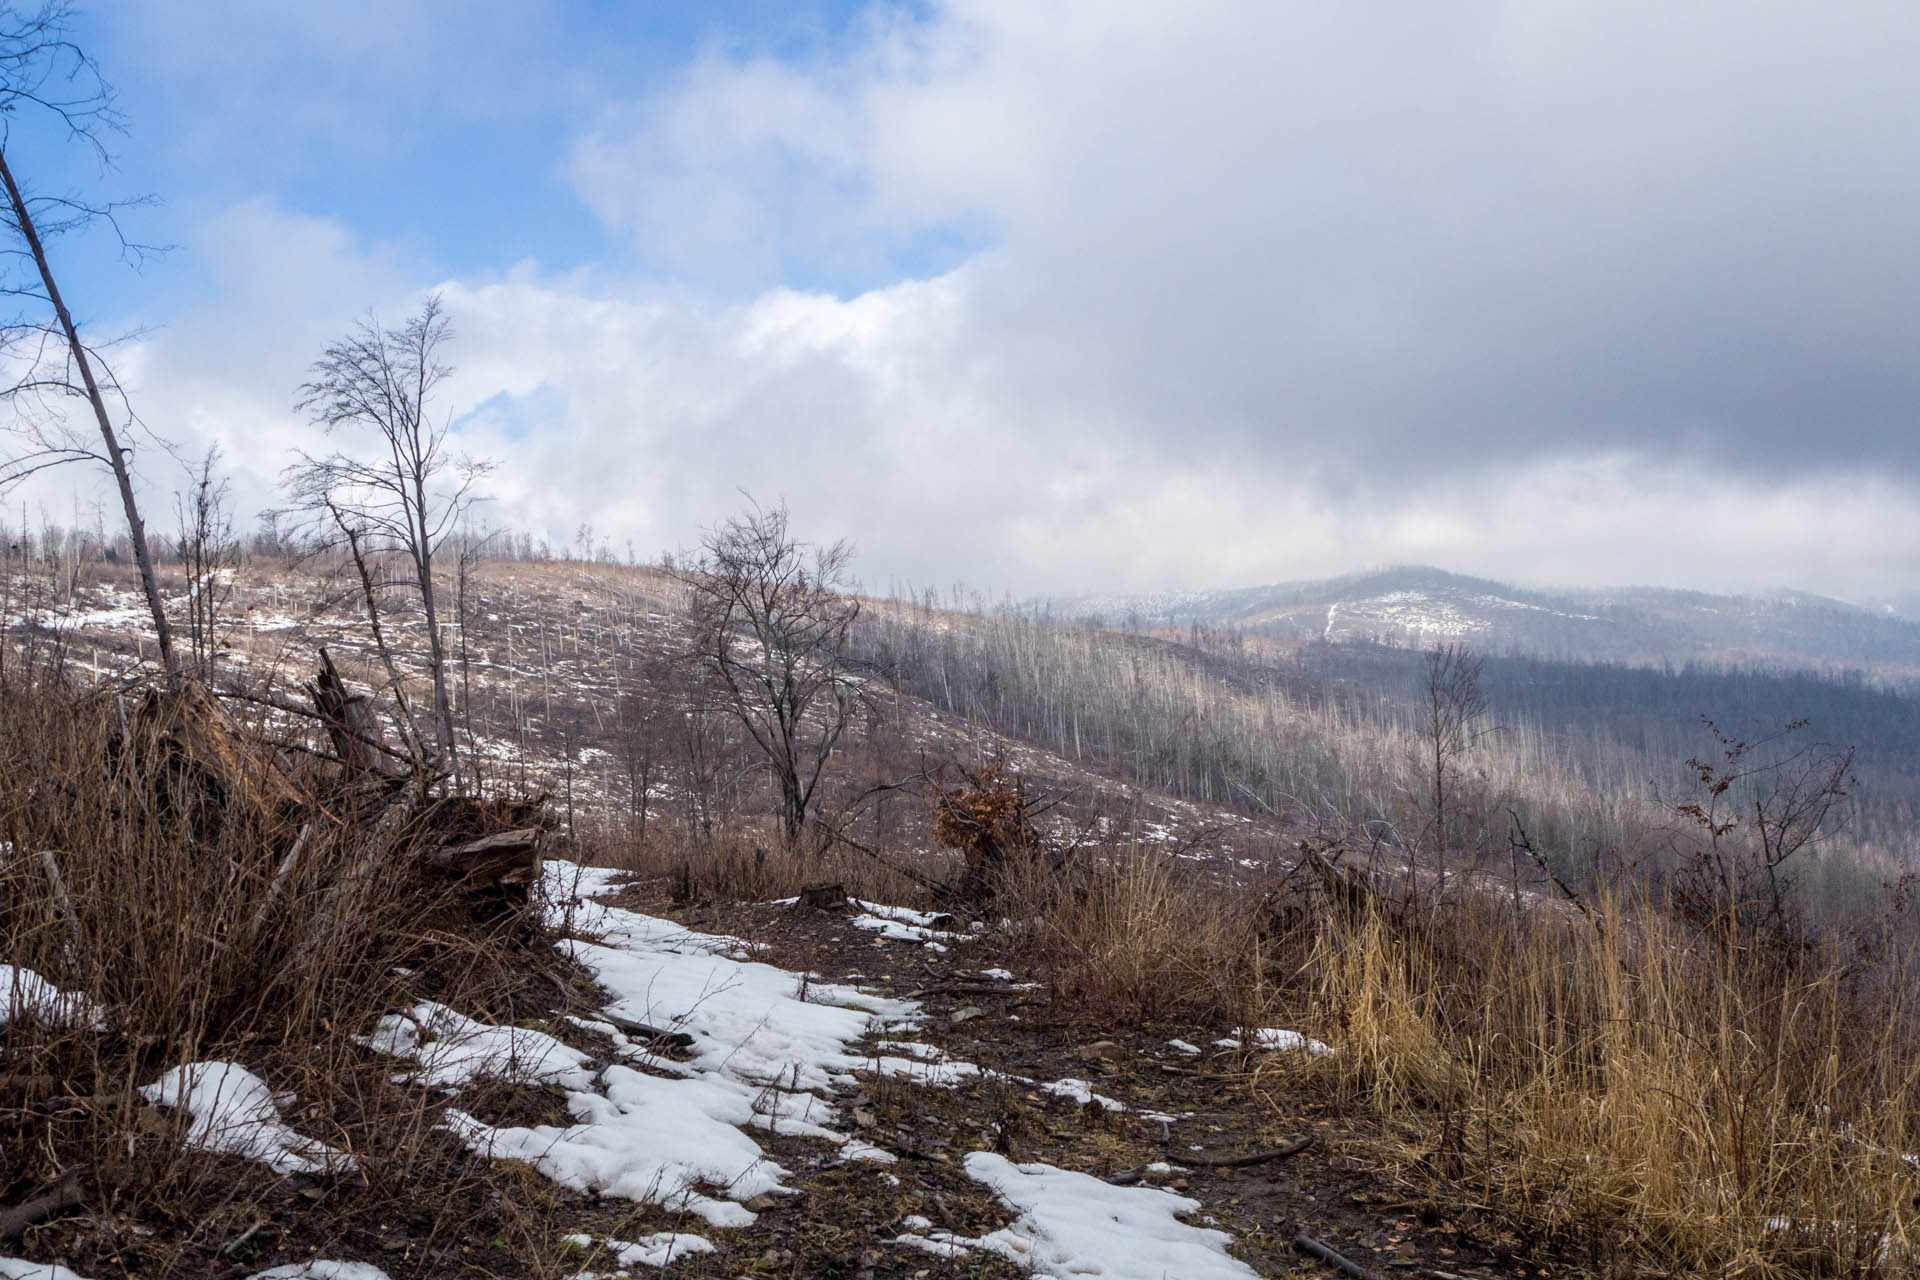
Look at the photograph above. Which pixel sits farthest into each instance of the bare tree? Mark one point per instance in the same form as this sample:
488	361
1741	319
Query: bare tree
1451	703
1760	806
210	555
44	75
407	492
771	624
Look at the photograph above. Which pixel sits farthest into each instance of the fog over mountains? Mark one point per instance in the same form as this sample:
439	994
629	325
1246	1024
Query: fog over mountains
1419	605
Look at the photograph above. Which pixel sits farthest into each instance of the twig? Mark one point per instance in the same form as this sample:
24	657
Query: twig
1518	838
1307	1244
966	989
1241	1162
835	834
295	709
243	1237
62	902
1127	1177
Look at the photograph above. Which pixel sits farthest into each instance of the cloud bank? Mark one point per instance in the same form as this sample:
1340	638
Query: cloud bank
1051	298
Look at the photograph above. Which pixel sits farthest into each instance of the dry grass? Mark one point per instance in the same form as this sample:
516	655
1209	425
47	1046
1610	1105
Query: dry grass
1124	935
1665	1101
747	861
187	928
1669	1103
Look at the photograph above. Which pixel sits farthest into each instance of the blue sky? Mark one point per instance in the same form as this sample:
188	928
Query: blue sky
458	154
1080	295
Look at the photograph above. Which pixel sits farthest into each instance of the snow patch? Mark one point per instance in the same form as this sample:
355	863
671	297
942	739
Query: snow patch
1072	1225
452	1049
22	991
1278	1040
21	1269
767	1050
1082	1093
649	1251
234	1113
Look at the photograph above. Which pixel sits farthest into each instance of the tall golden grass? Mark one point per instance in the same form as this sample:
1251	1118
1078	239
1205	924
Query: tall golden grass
1670	1101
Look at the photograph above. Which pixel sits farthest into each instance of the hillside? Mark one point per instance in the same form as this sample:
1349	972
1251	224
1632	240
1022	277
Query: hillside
1228	988
1419	606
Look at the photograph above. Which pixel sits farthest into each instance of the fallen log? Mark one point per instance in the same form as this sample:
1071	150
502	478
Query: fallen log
1128	1177
1241	1162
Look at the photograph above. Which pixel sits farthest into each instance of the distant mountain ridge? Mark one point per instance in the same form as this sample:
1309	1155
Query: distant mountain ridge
1414	606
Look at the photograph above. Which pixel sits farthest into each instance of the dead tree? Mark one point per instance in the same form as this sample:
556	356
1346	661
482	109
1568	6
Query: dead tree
1759	808
771	626
1452	702
407	492
210	555
44	76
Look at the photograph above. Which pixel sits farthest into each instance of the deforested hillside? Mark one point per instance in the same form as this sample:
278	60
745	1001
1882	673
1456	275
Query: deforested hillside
1077	922
1591	758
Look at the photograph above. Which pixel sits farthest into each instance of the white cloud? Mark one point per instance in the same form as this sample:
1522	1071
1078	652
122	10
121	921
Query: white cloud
1562	293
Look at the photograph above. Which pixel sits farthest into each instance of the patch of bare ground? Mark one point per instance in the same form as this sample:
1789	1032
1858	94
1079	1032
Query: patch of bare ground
1193	1123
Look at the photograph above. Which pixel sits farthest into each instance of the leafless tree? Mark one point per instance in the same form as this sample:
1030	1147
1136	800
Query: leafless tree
210	555
45	77
1451	702
1760	806
771	622
406	491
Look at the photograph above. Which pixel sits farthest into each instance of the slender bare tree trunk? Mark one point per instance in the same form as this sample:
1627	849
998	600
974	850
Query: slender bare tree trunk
407	730
436	650
116	456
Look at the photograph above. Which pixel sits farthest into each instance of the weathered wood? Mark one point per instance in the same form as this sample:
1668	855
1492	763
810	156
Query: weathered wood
348	716
1128	1177
189	722
281	875
1307	1244
505	858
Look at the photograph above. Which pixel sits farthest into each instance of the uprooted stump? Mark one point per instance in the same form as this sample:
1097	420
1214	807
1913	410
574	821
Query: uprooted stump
491	847
348	716
990	823
208	770
202	765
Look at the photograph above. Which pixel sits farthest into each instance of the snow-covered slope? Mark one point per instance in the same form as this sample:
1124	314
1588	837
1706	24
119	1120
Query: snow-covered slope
1416	606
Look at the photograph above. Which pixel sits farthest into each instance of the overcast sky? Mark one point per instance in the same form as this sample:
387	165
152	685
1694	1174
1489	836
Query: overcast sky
1046	297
